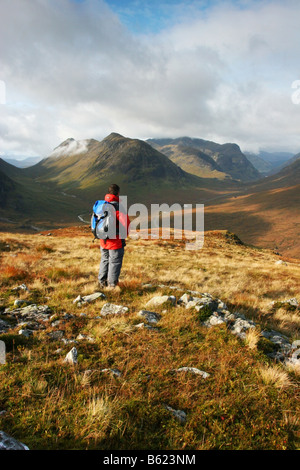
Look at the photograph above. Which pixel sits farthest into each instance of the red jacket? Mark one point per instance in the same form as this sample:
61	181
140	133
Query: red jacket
122	218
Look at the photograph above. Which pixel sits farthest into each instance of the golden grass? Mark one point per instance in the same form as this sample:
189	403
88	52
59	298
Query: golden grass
275	376
84	408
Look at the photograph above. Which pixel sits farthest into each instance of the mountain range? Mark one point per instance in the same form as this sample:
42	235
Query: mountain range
57	189
200	157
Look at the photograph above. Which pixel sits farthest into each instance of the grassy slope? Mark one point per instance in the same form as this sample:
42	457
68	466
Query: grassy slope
51	405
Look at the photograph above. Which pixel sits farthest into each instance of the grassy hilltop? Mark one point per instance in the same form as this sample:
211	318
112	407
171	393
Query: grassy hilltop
117	394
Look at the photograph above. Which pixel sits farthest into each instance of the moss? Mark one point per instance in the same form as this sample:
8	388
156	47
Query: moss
266	346
204	313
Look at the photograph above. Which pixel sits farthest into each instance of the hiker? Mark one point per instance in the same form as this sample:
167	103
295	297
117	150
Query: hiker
112	250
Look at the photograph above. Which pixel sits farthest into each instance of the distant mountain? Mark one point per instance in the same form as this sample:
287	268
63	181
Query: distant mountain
23	163
263	166
275	158
192	160
88	166
228	158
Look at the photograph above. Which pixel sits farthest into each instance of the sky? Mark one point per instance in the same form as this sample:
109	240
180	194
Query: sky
226	71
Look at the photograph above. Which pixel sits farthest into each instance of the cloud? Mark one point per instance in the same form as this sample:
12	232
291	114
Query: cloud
74	70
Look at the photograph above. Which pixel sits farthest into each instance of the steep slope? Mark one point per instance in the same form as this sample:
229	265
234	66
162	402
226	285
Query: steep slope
266	215
192	160
228	157
263	166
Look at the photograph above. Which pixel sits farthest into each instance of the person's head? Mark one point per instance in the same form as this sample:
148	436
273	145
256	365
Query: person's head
114	189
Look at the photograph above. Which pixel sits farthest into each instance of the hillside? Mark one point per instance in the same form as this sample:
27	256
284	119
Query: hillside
228	157
85	169
192	160
23	162
267	214
180	378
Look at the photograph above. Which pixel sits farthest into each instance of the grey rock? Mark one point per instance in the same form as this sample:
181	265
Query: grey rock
71	357
10	443
4	326
148	327
19	302
88	298
21	287
81	337
26	333
31	312
112	309
151	317
178	414
56	335
114	372
161	300
193	370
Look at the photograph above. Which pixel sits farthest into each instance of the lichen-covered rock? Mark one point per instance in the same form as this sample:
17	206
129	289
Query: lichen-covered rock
112	309
150	317
161	300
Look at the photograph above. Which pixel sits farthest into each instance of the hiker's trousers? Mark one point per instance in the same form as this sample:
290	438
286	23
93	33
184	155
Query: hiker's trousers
110	266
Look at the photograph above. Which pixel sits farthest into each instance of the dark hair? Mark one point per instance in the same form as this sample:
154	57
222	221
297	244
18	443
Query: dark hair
114	189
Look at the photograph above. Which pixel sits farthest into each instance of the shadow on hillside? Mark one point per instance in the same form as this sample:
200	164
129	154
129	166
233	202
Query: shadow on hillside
246	225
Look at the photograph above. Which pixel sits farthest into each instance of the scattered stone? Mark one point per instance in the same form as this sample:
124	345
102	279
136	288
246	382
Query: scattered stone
143	325
115	372
151	317
88	298
21	287
185	299
68	341
178	414
193	370
56	335
281	262
112	309
159	301
19	303
32	312
4	326
10	443
71	357
26	333
85	337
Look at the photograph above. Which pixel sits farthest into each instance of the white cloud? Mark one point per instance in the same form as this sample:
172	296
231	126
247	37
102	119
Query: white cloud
73	70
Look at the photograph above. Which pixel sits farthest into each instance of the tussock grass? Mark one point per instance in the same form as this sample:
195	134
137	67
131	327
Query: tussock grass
247	402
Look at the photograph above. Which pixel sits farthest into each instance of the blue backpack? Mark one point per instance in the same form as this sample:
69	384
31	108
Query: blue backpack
103	222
